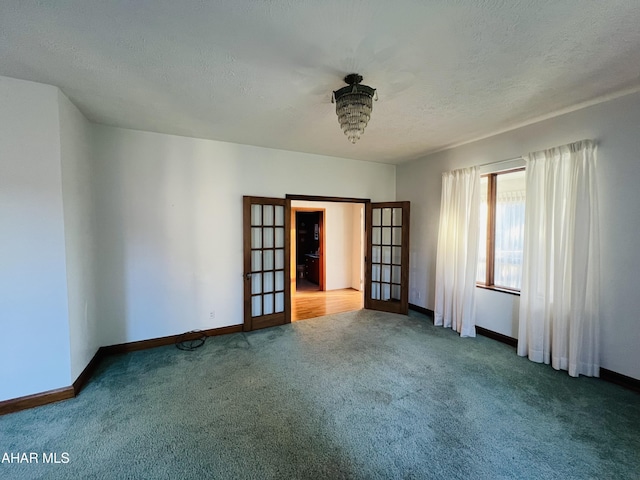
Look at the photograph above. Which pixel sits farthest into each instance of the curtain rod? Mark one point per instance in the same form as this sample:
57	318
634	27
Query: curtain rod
501	161
575	144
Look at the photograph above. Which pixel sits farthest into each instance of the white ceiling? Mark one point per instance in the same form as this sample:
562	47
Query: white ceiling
261	72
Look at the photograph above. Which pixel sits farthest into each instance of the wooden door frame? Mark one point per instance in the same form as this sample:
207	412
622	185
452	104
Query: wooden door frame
319	198
294	246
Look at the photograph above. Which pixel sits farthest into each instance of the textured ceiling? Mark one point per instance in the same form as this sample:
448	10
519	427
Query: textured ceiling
261	72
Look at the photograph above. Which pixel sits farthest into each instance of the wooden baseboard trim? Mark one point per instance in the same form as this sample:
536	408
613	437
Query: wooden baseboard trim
629	383
512	342
88	371
35	400
620	379
424	311
51	396
65	393
169	340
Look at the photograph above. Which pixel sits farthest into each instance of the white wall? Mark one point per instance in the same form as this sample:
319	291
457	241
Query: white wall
357	246
169	223
75	152
33	303
614	125
342	257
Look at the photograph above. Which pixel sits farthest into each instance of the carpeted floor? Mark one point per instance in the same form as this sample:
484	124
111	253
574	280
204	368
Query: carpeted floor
361	395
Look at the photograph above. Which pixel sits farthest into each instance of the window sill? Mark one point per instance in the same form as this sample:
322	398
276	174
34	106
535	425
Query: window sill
499	289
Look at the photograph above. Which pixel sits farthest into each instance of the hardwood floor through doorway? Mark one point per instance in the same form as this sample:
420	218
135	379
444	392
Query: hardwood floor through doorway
315	303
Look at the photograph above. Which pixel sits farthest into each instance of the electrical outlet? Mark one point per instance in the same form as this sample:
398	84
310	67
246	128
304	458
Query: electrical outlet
212	314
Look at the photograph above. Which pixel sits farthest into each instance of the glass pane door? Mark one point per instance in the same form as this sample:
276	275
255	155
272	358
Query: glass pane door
387	245
266	255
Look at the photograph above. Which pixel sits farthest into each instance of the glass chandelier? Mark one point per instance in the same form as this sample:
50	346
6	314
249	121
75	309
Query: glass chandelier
353	106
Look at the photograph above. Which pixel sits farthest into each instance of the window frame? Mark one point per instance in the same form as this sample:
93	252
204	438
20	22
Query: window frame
492	184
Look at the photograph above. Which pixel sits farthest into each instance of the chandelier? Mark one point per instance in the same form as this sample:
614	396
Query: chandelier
353	106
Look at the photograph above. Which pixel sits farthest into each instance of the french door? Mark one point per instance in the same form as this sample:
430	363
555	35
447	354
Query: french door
267	239
267	300
387	278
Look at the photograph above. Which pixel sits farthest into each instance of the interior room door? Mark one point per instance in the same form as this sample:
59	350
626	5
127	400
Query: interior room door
387	279
267	301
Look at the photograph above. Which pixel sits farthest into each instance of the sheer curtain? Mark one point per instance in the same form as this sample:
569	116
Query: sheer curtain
457	255
509	238
559	301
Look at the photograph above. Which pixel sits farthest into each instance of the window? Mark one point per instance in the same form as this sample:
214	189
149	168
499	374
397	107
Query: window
501	230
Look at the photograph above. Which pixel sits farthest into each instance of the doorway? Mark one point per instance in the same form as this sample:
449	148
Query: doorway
267	232
308	249
327	258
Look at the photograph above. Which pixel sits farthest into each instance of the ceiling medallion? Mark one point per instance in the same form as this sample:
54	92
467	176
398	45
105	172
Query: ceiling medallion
353	106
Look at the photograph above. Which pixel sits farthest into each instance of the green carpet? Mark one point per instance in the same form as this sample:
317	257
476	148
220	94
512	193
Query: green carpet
360	395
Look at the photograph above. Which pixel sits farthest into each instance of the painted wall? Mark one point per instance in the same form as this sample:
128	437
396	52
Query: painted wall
341	242
357	246
169	223
33	304
79	227
614	125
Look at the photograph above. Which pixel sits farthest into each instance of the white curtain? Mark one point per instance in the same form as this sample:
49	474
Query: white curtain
559	300
509	238
457	255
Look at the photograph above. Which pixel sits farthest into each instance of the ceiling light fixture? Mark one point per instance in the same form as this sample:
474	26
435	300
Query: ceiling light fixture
353	106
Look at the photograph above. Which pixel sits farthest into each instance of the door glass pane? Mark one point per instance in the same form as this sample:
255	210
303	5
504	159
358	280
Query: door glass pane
279	237
268	304
386	236
256	260
397	255
385	293
397	235
279	259
386	217
397	217
395	292
279	302
256	306
268	215
268	237
256	283
268	282
268	260
395	274
375	236
386	254
375	291
256	237
280	280
386	273
375	220
375	272
256	215
279	215
375	254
